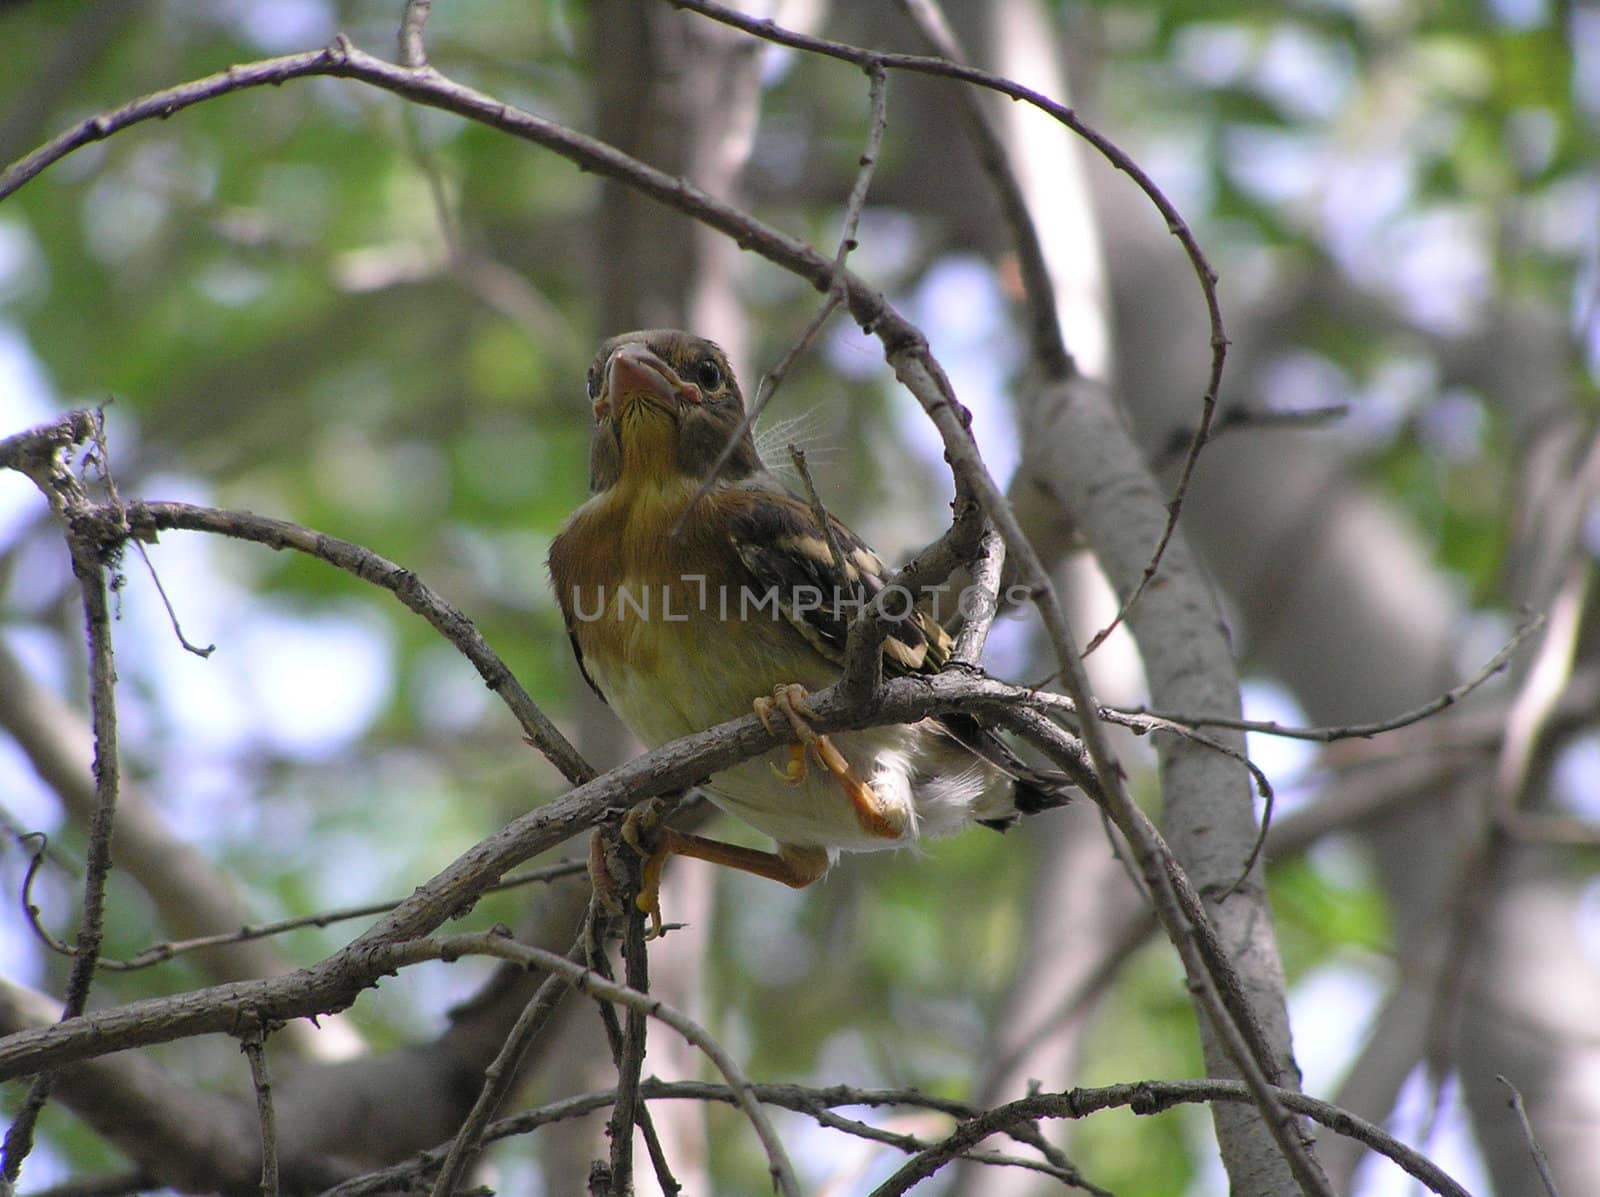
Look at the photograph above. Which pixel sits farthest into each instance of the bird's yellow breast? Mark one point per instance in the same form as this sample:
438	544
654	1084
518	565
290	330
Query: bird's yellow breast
615	573
664	613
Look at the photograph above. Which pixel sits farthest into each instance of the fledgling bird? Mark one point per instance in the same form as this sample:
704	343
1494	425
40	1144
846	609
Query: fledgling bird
686	612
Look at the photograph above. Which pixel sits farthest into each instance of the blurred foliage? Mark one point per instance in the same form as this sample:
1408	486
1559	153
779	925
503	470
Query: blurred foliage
318	303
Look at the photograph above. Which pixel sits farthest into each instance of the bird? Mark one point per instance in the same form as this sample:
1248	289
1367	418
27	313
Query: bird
696	587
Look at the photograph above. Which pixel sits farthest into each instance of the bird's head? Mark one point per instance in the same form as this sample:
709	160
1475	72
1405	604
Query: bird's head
666	404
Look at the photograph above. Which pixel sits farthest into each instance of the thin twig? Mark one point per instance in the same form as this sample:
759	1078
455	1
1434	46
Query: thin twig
1211	976
1327	735
1154	723
639	1114
854	205
405	585
172	616
1541	1161
588	982
160	953
253	1044
1248	419
1048	348
45	849
819	512
500	1076
438	195
979	612
1176	225
413	52
1146	1098
1540	687
30	911
1154	1097
101	455
630	1055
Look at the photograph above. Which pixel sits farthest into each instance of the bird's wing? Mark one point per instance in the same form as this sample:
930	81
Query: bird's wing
785	550
781	543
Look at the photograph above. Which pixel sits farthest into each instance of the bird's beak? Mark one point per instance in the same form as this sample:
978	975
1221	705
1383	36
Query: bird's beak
636	375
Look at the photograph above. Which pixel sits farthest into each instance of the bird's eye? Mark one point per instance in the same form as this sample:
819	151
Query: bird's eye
593	383
708	374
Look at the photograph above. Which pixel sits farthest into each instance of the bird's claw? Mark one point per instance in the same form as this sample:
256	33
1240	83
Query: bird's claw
790	701
641	831
795	771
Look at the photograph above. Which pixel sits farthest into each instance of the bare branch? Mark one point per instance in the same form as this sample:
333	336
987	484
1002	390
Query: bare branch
854	204
983	606
628	1050
501	1076
594	985
1049	351
413	53
1211	975
1149	1097
62	489
1540	1160
1056	363
253	1043
335	982
818	511
1327	735
160	953
113	525
1142	1097
147	518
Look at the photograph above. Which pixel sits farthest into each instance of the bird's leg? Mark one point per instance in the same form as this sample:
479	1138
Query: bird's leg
641	828
875	816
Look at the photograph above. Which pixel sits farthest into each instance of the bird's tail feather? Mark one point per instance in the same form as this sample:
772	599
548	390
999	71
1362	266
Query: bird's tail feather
1037	790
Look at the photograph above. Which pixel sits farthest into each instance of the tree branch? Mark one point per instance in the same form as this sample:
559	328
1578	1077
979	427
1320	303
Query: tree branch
1141	1097
334	982
89	553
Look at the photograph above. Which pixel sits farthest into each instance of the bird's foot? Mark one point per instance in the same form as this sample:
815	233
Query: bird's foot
794	772
790	701
875	816
642	831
